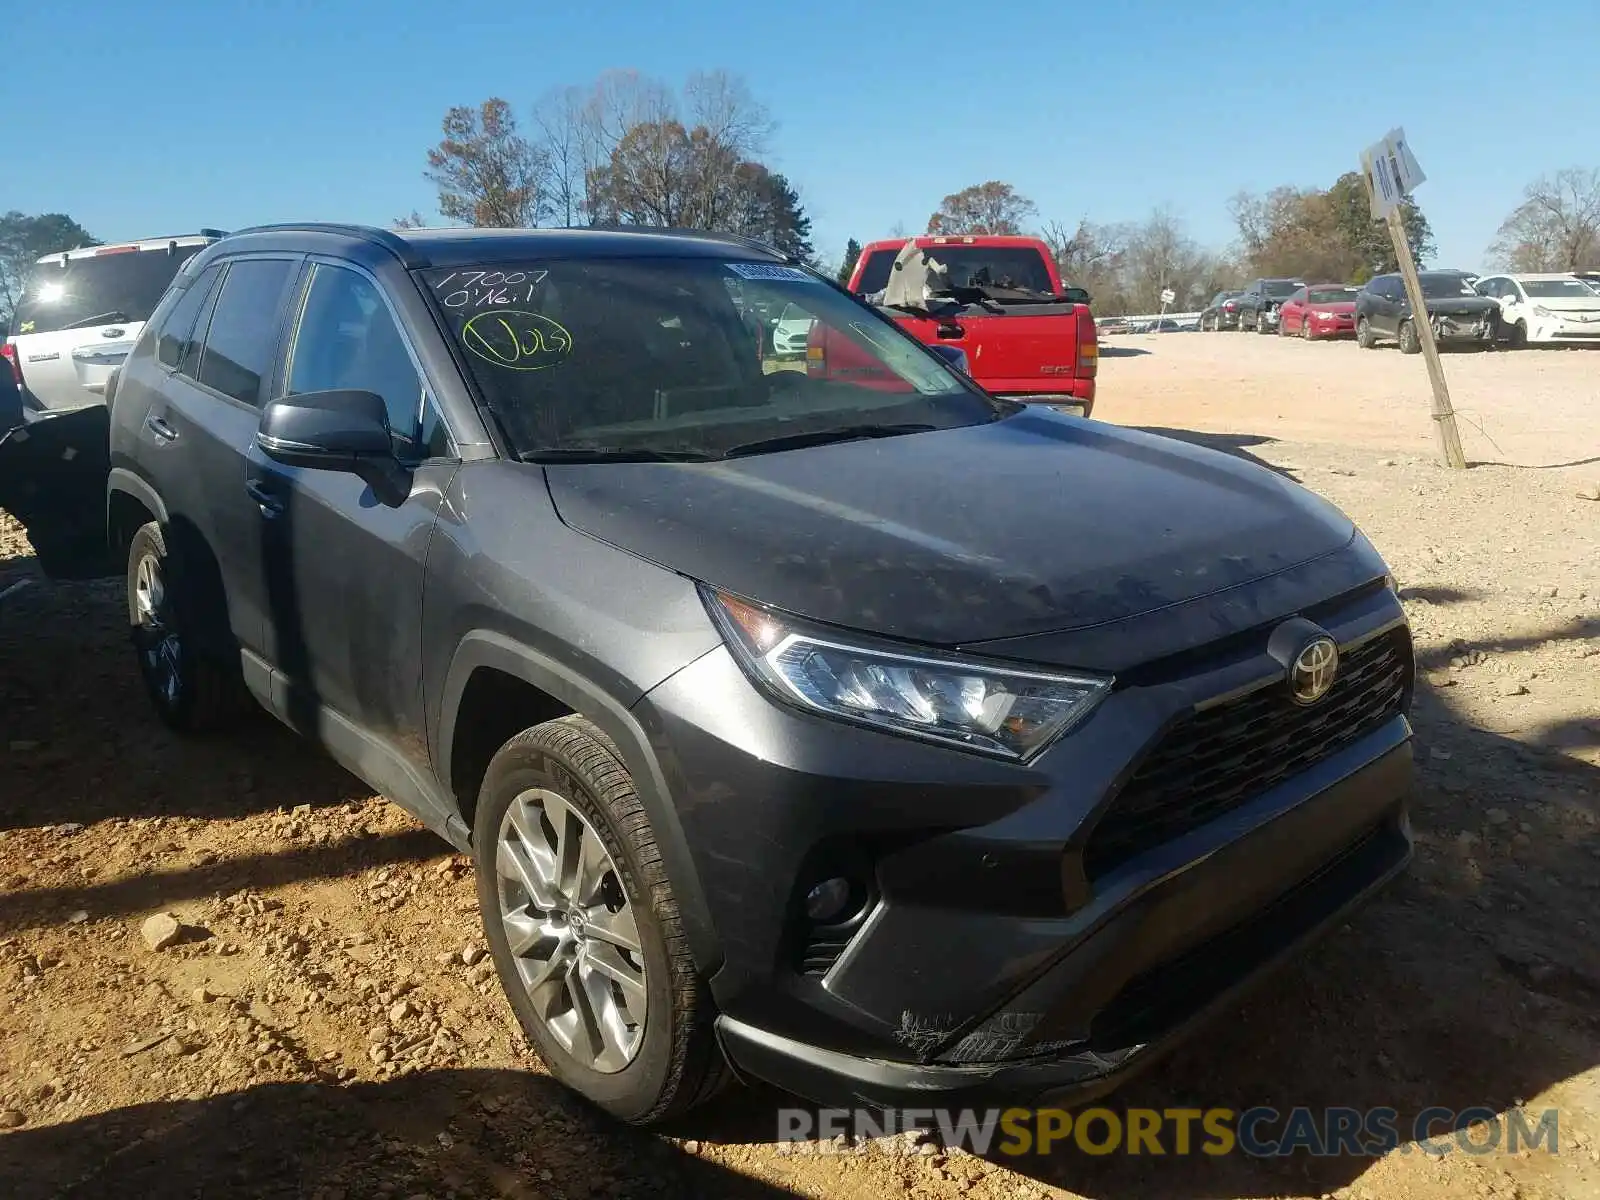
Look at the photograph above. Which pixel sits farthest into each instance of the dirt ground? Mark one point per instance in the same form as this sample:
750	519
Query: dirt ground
324	1024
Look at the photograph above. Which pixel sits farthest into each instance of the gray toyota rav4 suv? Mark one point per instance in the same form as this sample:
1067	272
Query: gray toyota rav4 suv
862	733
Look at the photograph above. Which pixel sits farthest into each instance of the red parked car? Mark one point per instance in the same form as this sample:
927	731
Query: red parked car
1319	310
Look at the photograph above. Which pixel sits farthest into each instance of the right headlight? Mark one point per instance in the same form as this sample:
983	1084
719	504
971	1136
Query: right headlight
974	705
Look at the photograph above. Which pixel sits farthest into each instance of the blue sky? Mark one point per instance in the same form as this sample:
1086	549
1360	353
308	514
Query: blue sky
164	118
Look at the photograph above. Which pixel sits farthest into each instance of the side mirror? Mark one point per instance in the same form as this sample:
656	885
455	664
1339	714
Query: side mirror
953	356
339	430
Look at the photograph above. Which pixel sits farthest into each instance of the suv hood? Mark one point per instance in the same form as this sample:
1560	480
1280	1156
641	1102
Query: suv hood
1031	524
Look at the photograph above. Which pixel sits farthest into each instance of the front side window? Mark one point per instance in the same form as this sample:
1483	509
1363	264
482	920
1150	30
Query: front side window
244	327
653	356
1298	297
347	339
1280	287
177	331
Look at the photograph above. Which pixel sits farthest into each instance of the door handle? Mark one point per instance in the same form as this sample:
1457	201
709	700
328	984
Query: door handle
270	504
158	426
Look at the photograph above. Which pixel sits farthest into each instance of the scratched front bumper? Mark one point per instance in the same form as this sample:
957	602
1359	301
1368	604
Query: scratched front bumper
1178	953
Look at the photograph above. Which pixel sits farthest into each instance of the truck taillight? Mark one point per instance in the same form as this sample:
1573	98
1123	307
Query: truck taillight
1088	344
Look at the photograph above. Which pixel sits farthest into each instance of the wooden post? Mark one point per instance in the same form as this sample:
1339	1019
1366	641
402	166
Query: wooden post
1444	416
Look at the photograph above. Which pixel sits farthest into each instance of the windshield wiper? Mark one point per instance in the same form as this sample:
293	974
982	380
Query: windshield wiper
614	454
104	318
822	437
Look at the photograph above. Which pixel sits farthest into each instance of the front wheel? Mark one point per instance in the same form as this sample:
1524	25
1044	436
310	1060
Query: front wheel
1364	337
584	929
1519	336
1410	340
1305	329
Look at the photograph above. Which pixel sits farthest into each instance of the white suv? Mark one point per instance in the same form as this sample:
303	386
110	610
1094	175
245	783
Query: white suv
81	312
1545	309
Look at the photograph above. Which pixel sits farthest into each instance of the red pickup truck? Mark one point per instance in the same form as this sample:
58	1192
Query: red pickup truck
998	299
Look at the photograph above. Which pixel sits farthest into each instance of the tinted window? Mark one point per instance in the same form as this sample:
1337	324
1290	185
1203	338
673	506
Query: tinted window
1012	267
124	285
1335	295
1279	287
875	274
244	327
1439	287
348	339
177	332
1298	296
615	356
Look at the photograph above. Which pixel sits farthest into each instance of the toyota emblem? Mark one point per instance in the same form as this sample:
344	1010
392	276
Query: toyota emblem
1312	672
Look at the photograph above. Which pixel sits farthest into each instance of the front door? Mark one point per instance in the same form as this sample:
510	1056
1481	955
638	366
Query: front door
344	568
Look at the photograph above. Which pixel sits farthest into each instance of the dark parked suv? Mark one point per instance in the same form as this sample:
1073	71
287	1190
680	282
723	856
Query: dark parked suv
1259	303
880	738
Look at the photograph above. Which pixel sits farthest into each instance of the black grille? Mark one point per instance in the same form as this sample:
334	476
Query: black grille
1212	762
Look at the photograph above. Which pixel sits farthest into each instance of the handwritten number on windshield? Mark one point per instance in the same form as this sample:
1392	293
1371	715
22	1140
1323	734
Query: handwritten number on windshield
519	341
485	289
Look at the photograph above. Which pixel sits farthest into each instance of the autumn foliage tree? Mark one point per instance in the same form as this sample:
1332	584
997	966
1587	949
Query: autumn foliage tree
487	173
1327	235
992	208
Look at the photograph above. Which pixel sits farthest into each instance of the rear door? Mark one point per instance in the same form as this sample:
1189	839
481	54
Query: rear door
202	423
81	314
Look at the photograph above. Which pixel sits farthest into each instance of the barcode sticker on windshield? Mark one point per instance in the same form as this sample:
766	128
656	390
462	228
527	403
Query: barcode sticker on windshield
749	270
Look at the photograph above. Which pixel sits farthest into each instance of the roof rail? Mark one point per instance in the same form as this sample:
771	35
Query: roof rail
710	235
391	242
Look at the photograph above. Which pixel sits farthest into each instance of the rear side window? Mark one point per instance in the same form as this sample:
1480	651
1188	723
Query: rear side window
875	274
177	331
244	327
105	288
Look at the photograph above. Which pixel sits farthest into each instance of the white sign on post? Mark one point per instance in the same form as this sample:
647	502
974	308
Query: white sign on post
1392	172
1168	296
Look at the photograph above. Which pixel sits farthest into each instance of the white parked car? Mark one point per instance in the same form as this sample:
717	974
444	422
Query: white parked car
1545	309
790	333
81	312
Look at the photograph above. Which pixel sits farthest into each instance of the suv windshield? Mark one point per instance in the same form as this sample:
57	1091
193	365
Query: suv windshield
1281	287
1557	289
1333	295
665	357
1019	267
1441	287
128	283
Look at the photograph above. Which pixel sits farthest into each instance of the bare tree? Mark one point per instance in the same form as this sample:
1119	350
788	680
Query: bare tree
412	220
487	173
1557	225
992	208
568	139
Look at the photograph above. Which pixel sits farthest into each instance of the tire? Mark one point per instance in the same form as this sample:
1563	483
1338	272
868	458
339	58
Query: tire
1519	336
1410	341
191	692
1260	328
1283	326
666	1059
1364	337
1305	329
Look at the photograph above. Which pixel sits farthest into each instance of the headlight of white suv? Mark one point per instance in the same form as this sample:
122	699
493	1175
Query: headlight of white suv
981	706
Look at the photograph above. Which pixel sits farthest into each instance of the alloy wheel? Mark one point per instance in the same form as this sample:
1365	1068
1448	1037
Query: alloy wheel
159	647
571	930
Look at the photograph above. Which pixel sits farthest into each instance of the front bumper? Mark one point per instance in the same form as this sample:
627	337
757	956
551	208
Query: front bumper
1332	327
992	951
1157	1010
1557	329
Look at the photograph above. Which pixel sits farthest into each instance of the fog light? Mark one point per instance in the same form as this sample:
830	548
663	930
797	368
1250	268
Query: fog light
828	900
